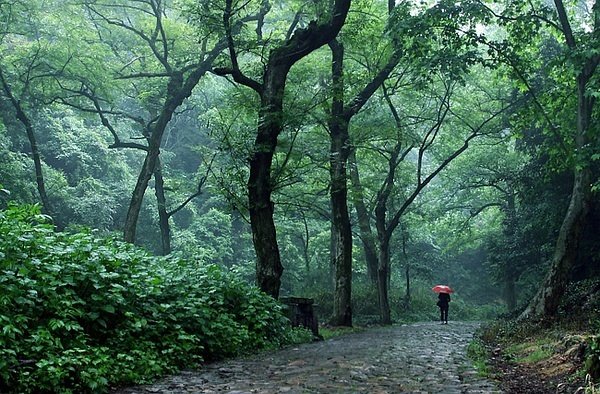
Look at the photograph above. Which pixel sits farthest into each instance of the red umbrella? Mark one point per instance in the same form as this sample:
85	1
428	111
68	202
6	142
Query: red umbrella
442	289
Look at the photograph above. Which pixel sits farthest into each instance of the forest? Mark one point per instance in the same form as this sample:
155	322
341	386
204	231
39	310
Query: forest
169	169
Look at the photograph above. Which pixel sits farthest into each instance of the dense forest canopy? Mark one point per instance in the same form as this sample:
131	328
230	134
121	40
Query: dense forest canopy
353	152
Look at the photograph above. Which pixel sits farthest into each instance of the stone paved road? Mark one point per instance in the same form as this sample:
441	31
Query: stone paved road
415	358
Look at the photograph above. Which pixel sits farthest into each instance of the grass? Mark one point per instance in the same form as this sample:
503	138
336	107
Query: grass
479	354
332	332
537	355
590	387
547	344
532	351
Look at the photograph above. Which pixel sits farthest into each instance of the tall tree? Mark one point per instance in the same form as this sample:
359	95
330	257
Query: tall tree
340	148
180	76
415	149
271	91
27	123
363	218
23	58
583	53
156	75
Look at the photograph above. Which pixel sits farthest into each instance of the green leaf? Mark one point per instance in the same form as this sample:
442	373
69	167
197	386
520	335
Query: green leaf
109	308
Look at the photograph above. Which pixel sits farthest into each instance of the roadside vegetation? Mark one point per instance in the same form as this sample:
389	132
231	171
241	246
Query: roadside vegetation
80	313
558	355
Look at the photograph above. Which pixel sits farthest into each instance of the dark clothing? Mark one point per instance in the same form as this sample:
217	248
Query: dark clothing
444	299
443	303
444	313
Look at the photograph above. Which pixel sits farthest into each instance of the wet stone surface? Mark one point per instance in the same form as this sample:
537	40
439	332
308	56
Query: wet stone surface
415	358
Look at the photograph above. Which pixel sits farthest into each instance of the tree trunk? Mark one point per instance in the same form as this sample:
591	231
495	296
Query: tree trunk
306	244
339	121
137	197
341	253
349	110
163	215
35	153
383	272
37	163
407	271
364	219
510	293
547	300
407	274
384	234
178	90
238	227
342	300
304	41
177	93
268	266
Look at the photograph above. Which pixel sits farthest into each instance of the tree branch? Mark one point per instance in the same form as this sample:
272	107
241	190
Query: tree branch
364	95
235	71
475	132
198	190
161	57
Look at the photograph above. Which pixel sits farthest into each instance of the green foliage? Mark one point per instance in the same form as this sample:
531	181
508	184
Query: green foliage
298	335
15	176
479	354
209	238
79	313
592	362
452	48
531	352
582	299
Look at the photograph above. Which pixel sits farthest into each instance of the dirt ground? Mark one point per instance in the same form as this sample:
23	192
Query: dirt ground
557	374
415	358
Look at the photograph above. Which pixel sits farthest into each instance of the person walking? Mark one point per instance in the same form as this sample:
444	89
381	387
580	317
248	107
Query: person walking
443	303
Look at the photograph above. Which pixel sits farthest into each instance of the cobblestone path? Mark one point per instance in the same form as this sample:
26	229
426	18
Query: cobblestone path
415	358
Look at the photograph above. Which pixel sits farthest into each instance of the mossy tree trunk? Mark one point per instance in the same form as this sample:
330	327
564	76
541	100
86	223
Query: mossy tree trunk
548	297
341	251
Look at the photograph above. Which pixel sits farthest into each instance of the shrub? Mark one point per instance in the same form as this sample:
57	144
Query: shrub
80	313
592	362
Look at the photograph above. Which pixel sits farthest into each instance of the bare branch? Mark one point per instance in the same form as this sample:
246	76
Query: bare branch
235	71
143	75
293	25
363	96
198	190
151	41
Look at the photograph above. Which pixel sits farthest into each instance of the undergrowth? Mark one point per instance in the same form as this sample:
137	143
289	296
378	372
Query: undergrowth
421	307
80	313
479	355
331	332
527	341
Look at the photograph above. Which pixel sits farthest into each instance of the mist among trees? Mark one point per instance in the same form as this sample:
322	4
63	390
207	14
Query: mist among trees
353	152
